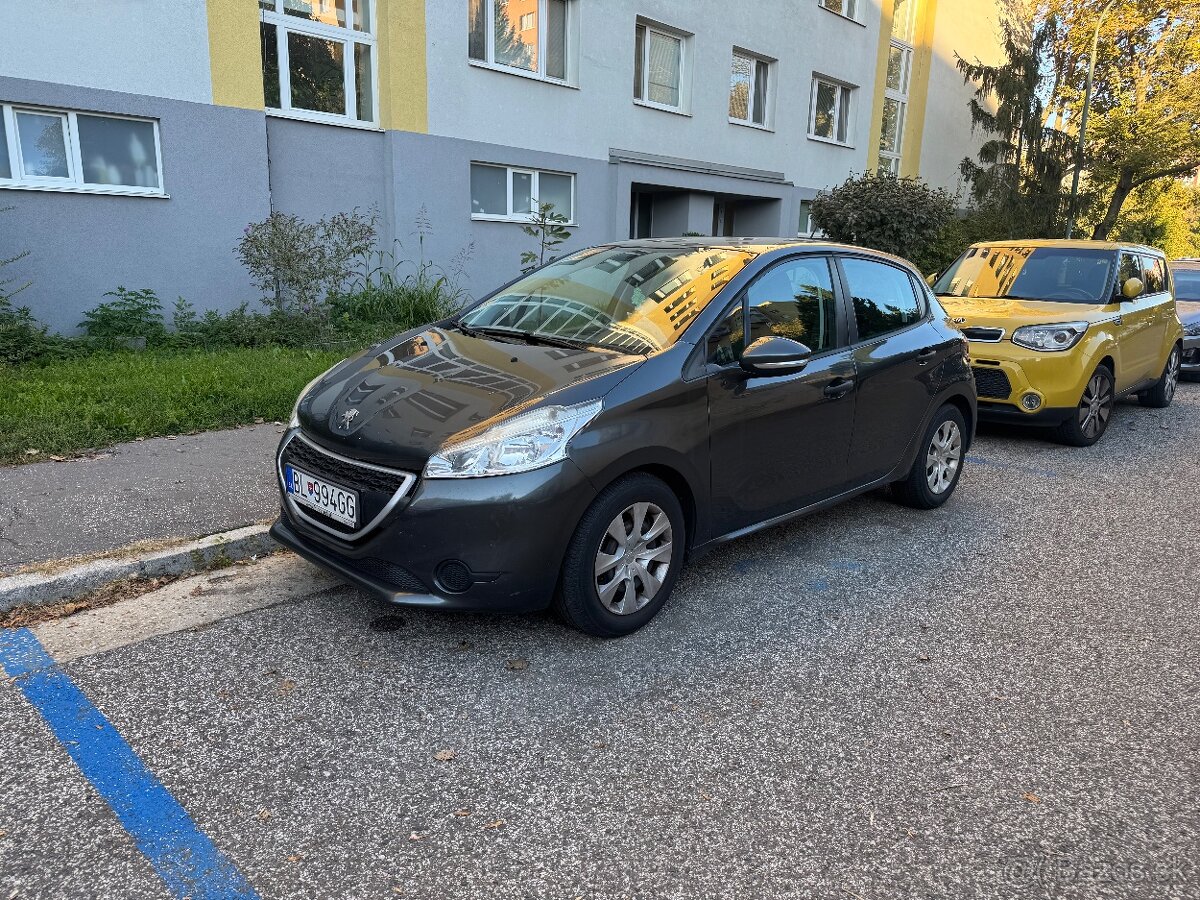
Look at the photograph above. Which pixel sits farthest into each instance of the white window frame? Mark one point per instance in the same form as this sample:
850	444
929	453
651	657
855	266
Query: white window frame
534	187
74	182
892	159
685	67
347	36
841	86
768	97
489	62
851	14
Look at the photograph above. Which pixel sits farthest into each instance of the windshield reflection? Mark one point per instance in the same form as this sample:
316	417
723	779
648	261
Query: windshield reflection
635	300
1031	273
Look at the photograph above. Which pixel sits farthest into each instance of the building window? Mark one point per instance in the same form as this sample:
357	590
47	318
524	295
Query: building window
749	85
829	119
895	97
659	68
530	36
76	151
847	8
509	194
319	59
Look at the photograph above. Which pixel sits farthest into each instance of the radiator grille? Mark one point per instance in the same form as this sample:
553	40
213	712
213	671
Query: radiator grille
991	383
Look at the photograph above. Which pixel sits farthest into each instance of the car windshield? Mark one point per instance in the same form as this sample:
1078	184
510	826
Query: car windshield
633	299
1031	273
1187	284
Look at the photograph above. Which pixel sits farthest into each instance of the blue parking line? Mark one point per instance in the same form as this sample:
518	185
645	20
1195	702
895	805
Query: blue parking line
184	858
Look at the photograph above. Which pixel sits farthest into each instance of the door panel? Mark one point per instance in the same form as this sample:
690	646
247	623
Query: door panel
1136	335
897	361
780	442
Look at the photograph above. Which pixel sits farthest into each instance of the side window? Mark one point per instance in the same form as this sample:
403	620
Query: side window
794	299
1156	278
883	295
1129	267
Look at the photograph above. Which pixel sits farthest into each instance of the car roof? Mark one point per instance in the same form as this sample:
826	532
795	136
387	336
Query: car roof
1073	245
761	245
1187	263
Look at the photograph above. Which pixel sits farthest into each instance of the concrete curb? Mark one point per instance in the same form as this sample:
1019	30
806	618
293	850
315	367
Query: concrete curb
37	588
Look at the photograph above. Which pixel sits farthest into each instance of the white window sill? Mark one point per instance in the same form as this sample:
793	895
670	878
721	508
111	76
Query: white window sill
299	115
514	220
674	110
843	16
830	141
113	190
753	125
520	73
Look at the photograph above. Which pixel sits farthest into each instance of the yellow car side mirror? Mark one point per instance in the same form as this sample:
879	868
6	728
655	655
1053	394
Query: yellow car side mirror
931	279
1132	288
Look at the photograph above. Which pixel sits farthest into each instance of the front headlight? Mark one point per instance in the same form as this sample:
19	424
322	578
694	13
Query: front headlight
528	441
1062	336
294	422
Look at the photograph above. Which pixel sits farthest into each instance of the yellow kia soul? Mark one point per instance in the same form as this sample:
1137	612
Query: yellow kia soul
1061	329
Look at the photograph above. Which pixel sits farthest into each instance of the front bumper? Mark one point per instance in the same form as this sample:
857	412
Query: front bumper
1005	374
472	543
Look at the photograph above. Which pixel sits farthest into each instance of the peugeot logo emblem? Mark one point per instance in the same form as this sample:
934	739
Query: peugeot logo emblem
348	416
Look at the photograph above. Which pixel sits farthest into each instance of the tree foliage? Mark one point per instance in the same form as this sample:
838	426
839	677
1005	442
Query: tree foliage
902	216
548	228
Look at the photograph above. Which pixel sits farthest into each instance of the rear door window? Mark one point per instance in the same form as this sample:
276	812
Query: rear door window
883	295
1156	276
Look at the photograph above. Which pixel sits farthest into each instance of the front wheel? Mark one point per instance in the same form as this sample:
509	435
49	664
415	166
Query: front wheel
1090	420
1161	395
624	558
935	472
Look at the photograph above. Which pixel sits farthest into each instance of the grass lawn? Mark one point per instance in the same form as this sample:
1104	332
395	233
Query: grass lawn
95	400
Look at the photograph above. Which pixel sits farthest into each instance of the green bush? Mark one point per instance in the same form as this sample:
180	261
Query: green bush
901	216
22	337
129	316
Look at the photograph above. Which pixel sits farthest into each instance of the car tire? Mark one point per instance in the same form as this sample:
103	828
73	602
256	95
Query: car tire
938	466
1091	417
1161	395
622	598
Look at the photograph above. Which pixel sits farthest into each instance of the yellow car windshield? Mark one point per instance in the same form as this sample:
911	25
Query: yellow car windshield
1059	274
638	300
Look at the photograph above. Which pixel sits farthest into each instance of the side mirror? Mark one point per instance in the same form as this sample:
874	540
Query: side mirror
775	356
1132	288
931	279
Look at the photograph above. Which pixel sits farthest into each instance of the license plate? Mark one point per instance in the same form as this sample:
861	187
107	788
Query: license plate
328	499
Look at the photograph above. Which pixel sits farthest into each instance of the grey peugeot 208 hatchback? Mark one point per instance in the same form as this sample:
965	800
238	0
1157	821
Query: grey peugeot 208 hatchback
571	438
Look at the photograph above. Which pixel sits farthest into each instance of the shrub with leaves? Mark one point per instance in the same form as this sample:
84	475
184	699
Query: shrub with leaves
130	315
299	265
547	227
902	216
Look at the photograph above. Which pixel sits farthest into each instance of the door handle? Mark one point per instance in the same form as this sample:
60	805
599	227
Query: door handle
926	355
839	388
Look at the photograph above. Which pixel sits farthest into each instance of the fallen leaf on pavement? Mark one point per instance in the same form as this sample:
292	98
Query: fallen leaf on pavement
264	814
295	857
444	755
499	823
1032	798
458	812
517	665
416	836
286	687
32	452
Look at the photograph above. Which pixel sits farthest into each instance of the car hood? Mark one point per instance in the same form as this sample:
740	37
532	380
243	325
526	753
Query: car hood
1189	311
1012	314
398	402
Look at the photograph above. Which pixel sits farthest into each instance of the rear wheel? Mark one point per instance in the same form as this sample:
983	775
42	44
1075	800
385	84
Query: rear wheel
1092	416
624	558
1161	395
934	473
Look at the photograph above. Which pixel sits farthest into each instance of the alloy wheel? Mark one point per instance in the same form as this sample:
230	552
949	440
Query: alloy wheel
634	558
1096	406
943	457
1171	376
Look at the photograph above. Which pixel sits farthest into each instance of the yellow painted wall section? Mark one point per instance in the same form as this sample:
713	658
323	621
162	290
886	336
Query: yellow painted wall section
403	73
234	53
918	89
918	86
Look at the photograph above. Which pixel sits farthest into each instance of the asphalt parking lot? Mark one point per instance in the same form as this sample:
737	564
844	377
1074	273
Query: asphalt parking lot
995	699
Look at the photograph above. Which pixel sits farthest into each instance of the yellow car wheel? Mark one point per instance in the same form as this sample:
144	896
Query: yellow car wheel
1091	417
1161	395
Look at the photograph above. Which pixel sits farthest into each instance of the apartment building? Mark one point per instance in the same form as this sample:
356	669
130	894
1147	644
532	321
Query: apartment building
139	138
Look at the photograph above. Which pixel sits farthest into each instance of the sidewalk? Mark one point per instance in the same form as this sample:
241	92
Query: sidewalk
154	489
